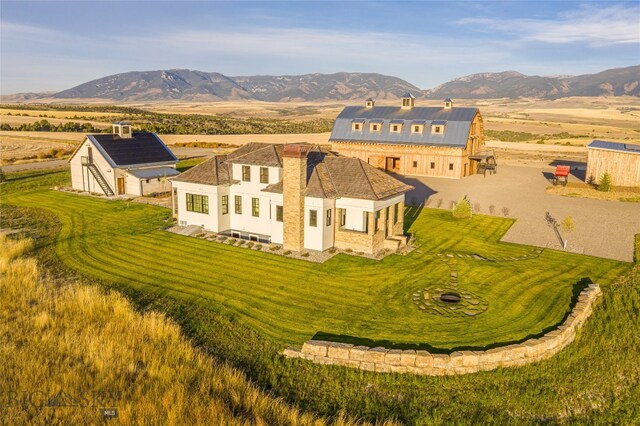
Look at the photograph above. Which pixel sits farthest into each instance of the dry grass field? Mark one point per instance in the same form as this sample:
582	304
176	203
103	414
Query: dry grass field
530	130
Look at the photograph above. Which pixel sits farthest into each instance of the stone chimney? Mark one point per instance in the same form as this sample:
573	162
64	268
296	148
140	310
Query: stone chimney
294	180
122	129
448	103
369	103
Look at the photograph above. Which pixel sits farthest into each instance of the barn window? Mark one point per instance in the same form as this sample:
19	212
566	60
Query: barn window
197	203
433	165
437	129
450	166
415	164
416	129
375	127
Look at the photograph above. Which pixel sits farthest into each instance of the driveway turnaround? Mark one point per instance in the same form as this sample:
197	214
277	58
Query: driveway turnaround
602	228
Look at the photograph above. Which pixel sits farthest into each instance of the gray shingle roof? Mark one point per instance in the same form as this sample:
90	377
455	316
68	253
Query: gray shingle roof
458	121
615	146
214	171
257	154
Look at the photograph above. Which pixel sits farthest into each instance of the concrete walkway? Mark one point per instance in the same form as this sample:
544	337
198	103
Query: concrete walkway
602	228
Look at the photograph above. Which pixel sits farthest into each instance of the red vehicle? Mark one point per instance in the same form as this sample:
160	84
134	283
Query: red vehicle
562	172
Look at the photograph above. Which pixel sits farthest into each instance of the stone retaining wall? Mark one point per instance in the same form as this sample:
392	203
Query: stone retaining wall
462	362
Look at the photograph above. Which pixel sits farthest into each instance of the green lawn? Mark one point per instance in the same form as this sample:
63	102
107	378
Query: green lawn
290	301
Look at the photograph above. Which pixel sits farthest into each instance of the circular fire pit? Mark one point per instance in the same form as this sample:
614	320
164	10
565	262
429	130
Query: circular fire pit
450	297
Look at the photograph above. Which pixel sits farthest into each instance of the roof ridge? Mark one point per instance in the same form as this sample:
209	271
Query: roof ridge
366	175
335	188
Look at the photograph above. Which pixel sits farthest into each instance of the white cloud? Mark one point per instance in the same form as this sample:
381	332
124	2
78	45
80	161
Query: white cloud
595	26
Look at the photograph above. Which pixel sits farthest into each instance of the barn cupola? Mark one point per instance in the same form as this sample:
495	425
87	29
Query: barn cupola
122	129
369	103
448	103
408	100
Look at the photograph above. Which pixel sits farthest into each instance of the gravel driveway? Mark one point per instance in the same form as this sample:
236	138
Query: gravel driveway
602	228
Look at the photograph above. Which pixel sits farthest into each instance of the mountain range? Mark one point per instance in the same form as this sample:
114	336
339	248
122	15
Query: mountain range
188	85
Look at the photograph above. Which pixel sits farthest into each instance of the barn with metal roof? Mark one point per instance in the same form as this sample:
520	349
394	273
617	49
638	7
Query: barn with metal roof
620	160
411	140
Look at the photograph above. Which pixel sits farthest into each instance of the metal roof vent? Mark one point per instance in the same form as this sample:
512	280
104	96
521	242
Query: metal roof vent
122	129
369	103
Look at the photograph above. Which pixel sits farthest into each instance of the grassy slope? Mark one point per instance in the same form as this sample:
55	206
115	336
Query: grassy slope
77	339
289	301
594	380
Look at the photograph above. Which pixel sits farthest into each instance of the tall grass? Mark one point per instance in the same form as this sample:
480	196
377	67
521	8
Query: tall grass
76	339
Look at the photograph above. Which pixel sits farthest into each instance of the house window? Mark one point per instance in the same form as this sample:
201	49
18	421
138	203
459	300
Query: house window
343	217
328	218
279	213
255	207
433	165
246	173
264	175
197	203
396	209
415	164
450	166
238	202
225	204
313	218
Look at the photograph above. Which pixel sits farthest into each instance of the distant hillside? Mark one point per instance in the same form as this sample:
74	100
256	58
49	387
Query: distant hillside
197	85
512	84
182	84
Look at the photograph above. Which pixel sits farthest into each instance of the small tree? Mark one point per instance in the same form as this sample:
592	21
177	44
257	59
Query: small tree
2	175
462	209
605	183
567	226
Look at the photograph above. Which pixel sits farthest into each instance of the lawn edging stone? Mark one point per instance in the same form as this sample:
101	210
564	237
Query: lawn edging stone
383	360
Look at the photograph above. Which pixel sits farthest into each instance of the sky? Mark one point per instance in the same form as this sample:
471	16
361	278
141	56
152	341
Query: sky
51	46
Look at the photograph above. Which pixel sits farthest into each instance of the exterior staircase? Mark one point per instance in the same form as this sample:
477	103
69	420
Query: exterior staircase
100	179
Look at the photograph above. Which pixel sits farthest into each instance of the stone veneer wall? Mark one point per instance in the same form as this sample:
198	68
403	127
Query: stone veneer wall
463	362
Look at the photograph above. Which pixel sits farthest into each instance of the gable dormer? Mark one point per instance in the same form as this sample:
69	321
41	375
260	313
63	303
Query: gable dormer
448	103
122	129
357	124
408	100
369	103
438	127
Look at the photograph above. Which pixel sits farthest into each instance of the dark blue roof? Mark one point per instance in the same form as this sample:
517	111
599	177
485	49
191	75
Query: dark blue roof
140	148
615	146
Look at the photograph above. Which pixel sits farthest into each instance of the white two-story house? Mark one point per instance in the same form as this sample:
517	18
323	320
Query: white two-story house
295	195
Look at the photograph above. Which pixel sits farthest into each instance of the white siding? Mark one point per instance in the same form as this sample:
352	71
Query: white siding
88	182
210	221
